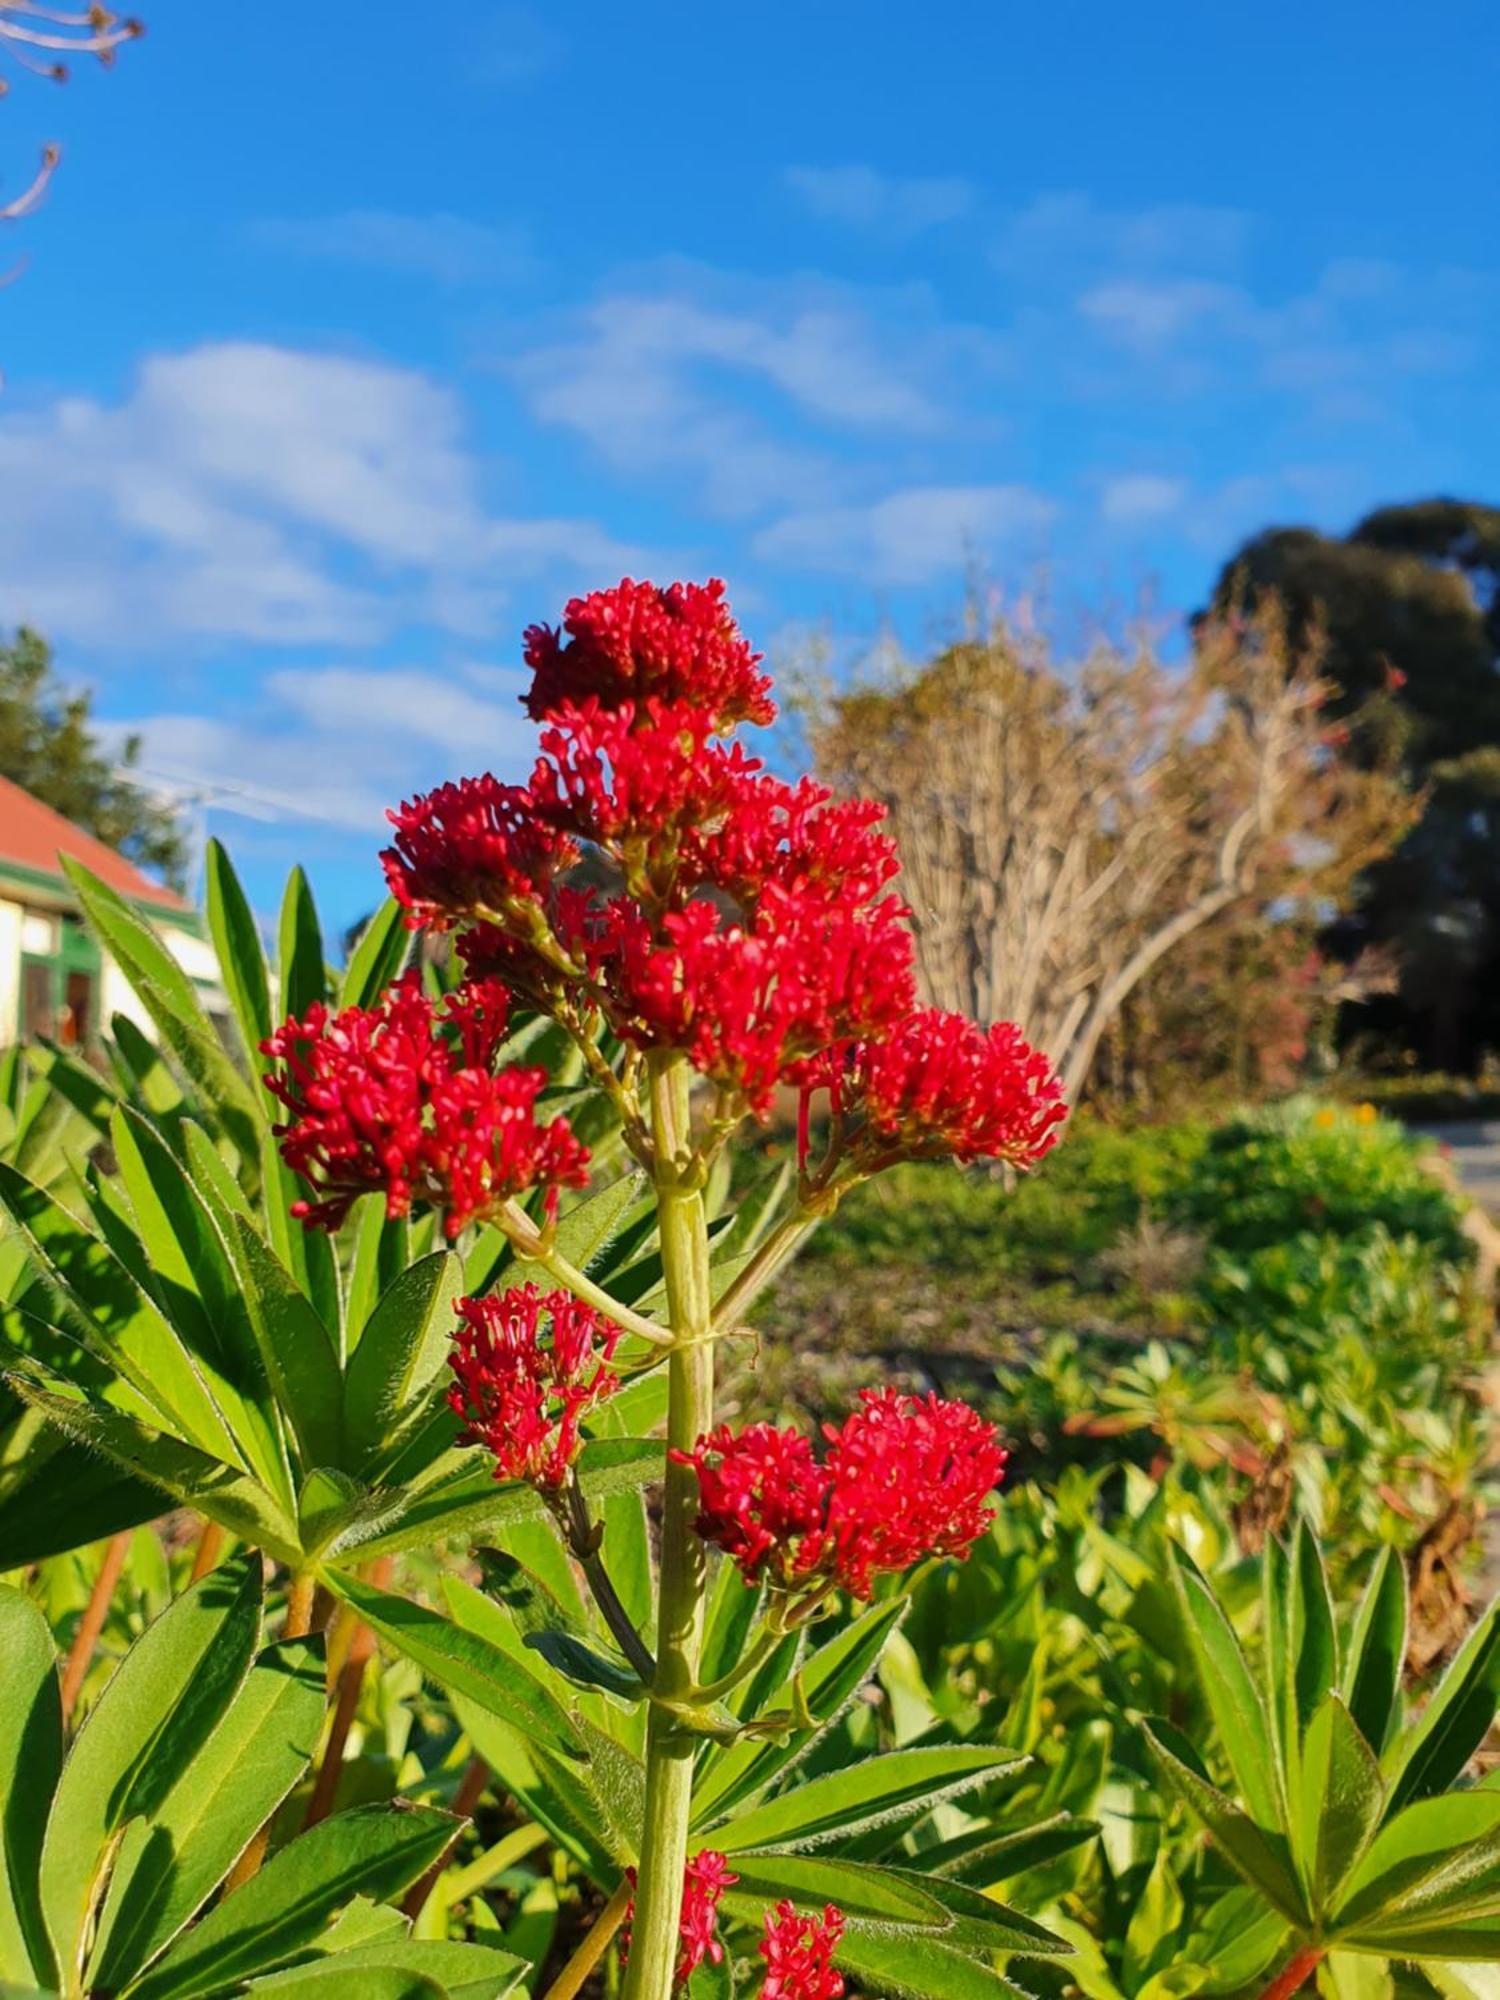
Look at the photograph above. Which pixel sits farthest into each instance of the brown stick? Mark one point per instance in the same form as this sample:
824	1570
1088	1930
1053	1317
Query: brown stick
594	1945
1295	1975
86	1638
207	1552
350	1682
470	1791
296	1625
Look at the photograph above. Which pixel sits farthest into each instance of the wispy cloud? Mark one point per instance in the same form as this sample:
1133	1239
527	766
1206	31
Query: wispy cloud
1140	499
909	537
893	204
247	492
449	249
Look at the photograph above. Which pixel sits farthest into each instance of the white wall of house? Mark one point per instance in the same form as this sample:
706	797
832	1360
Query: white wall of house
11	916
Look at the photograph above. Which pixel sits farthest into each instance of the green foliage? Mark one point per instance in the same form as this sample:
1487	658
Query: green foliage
113	1847
49	748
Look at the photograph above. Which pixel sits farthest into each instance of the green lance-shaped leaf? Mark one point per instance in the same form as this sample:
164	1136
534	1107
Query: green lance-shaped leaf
30	1760
64	1498
171	1861
1229	1689
184	1474
157	1712
108	1313
456	1971
1377	1652
909	1966
859	1890
461	1661
1259	1856
1456	1719
400	1355
373	1851
295	1348
1421	1854
981	1857
307	1253
1342	1797
379	956
169	997
303	967
242	962
865	1794
976	1922
195	1282
1314	1641
830	1678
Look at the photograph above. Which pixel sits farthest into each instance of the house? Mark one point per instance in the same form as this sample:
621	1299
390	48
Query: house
54	980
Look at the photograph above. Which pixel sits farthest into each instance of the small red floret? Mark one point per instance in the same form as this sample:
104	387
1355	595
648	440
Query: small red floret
522	1397
799	1954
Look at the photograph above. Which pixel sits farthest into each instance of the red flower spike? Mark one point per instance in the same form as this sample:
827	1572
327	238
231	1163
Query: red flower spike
704	1880
399	1099
904	1478
799	1954
637	641
524	1400
643	771
941	1087
474	845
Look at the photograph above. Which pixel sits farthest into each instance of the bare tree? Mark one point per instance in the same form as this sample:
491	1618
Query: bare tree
42	39
1061	833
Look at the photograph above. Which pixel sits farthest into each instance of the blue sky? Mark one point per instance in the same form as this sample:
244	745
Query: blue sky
342	355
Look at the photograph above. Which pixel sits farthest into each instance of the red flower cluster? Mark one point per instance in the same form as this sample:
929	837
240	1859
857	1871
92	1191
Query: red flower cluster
635	641
474	845
799	1954
400	1099
520	1399
940	1087
904	1477
704	1881
641	772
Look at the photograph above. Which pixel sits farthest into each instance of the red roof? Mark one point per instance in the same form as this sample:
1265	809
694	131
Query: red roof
33	836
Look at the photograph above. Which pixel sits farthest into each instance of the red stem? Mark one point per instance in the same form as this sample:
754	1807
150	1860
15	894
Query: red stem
1295	1976
81	1653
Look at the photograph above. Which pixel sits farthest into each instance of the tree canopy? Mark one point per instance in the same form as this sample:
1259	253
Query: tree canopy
50	747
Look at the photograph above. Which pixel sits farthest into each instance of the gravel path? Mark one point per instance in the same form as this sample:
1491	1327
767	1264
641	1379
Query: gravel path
1474	1155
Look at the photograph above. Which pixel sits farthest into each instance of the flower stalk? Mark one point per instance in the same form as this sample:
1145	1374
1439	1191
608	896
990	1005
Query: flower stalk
670	1749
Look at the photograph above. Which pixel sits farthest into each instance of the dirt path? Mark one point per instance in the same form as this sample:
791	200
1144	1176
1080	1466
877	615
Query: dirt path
1473	1152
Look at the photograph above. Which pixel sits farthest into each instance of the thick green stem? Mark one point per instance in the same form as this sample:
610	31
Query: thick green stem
669	1749
783	1242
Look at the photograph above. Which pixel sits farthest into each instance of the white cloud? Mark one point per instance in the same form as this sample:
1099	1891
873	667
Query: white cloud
672	377
336	746
1136	499
910	536
1149	314
257	493
1057	235
899	205
451	249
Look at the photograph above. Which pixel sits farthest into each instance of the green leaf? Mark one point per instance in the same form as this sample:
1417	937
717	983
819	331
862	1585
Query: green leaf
69	1498
865	1795
31	1739
909	1966
306	1253
1258	1856
156	1713
242	963
459	1971
1224	1676
377	958
401	1353
858	1889
467	1505
196	1285
304	970
1314	1644
373	1851
169	997
253	1758
1455	1721
1153	1925
1377	1652
1420	1854
295	1349
982	1857
461	1661
584	1666
113	1318
1342	1799
186	1475
978	1922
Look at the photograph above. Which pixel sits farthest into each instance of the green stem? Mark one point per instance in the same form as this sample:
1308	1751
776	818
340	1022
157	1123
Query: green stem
533	1247
782	1242
669	1749
754	1656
